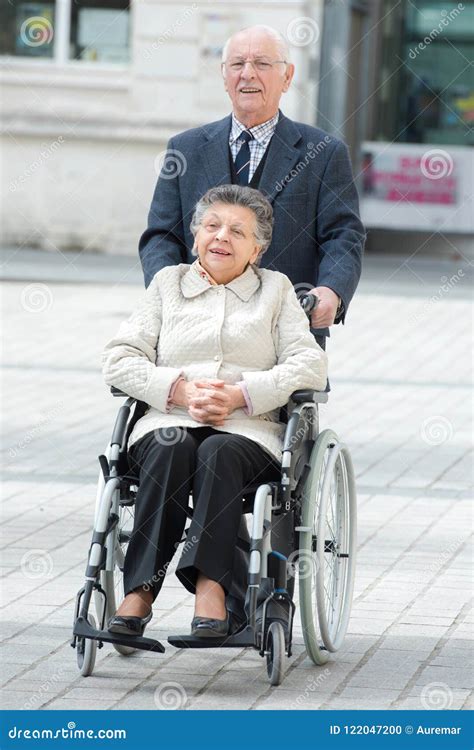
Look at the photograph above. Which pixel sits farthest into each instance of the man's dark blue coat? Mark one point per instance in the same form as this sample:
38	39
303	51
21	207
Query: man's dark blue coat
318	237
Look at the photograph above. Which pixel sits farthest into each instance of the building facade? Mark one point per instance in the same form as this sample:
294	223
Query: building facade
93	89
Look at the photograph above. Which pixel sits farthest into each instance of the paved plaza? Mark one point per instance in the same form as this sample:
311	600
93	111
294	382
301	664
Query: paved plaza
400	371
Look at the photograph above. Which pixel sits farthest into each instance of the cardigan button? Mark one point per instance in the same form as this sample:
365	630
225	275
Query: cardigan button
217	358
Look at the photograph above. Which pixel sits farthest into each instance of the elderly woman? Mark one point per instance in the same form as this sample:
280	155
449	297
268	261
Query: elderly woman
214	348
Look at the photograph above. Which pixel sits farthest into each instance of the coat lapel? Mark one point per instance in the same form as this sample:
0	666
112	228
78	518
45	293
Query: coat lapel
215	153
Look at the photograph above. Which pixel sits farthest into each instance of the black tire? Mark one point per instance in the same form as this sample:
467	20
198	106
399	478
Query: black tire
86	651
275	652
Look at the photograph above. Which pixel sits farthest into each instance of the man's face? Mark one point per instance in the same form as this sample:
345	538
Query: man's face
255	89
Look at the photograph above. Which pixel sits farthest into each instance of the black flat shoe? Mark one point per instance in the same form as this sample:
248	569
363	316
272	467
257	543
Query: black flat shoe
207	627
128	625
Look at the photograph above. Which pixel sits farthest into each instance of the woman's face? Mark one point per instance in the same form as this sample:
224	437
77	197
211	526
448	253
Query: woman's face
225	241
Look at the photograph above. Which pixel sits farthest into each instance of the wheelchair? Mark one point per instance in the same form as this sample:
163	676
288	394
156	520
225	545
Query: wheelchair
316	487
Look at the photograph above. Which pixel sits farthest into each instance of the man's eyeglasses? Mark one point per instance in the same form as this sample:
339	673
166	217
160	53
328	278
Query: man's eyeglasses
260	64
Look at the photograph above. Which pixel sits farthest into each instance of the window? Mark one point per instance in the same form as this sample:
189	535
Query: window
26	29
427	83
99	30
89	30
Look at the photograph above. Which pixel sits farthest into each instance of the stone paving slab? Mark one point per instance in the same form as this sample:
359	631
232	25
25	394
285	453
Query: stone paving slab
400	384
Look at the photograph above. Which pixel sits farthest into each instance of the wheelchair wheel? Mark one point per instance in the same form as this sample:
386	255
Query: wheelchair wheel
327	547
275	652
112	580
86	651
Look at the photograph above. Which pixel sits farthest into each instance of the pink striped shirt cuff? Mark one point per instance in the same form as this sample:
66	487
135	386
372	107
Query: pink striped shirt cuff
248	408
169	403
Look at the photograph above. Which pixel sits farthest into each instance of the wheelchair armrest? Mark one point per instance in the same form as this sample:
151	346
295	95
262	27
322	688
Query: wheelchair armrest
318	397
117	392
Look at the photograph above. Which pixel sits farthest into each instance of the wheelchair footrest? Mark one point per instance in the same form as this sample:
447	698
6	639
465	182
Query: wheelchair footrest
245	637
82	629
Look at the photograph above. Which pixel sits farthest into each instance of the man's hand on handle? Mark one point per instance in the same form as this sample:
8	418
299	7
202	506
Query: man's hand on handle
325	313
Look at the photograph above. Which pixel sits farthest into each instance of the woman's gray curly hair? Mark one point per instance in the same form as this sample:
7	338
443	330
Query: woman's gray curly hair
239	195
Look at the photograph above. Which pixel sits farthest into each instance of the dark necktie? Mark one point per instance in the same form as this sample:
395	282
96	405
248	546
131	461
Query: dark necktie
242	160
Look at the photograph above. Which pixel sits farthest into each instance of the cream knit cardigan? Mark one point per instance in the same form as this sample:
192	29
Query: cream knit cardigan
252	329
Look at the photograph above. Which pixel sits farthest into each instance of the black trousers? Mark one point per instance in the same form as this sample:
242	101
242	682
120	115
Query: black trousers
215	466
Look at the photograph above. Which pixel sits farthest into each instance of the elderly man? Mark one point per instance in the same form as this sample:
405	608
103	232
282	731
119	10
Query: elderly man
304	172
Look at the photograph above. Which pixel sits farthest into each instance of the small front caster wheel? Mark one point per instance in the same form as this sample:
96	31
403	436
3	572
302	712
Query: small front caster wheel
275	652
86	650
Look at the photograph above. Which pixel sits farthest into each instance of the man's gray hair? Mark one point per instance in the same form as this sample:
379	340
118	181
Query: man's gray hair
283	48
239	195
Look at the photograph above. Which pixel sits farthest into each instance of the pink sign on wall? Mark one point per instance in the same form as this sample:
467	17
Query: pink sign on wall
428	179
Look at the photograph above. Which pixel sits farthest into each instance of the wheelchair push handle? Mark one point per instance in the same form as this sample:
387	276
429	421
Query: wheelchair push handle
309	303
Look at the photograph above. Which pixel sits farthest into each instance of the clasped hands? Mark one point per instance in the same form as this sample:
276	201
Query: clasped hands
208	401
